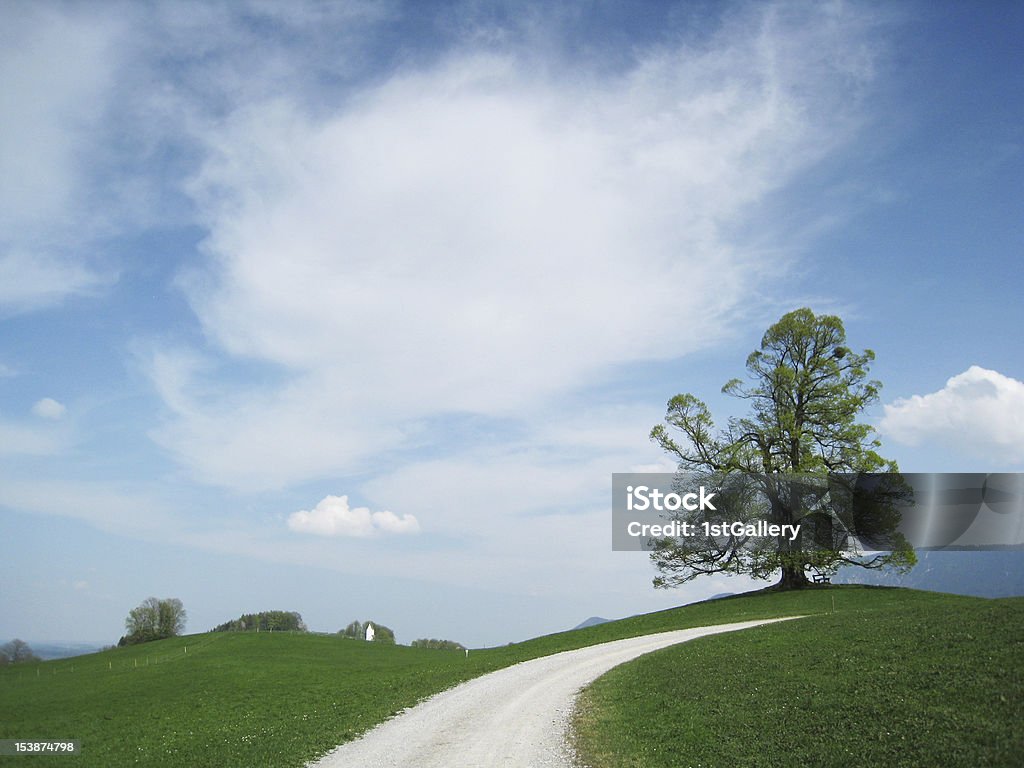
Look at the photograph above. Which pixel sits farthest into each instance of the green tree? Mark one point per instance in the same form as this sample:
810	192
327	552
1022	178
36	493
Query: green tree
16	652
154	619
806	391
355	630
382	634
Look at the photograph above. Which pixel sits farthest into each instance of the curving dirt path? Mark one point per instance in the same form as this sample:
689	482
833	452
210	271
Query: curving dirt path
513	718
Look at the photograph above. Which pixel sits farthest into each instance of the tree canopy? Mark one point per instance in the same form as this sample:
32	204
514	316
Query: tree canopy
154	619
806	391
16	652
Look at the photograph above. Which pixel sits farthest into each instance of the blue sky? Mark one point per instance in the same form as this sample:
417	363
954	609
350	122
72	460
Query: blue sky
354	308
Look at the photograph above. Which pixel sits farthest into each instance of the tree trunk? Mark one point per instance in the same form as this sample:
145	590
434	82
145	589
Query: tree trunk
793	577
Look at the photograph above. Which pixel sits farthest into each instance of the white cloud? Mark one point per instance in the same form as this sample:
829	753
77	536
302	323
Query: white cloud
979	411
48	408
482	235
334	517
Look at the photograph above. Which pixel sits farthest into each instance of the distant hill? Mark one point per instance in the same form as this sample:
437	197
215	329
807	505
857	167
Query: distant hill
978	574
63	650
593	621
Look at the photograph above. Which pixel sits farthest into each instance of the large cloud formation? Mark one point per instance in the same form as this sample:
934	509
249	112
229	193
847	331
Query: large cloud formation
484	233
979	411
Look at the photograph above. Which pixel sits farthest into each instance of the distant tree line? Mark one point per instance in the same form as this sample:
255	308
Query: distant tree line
445	645
16	652
357	630
154	619
265	621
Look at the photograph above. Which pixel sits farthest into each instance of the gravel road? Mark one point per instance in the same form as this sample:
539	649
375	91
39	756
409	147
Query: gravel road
513	718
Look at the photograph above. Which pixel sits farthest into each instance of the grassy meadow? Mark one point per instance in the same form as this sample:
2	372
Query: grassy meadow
279	699
917	679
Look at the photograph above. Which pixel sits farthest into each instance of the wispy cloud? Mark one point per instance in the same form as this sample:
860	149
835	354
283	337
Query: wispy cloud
31	281
107	508
979	411
57	66
23	437
29	440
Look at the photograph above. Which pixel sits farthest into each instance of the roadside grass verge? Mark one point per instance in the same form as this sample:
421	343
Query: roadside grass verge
927	679
278	699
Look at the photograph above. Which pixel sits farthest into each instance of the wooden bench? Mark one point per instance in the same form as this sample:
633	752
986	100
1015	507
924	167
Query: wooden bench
821	578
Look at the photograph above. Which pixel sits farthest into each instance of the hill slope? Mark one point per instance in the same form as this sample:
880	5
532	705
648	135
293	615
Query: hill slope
281	699
936	681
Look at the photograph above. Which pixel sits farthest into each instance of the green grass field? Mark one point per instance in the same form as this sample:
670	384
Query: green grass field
239	699
910	679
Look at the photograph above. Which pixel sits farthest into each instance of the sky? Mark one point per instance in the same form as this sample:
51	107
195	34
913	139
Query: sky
353	308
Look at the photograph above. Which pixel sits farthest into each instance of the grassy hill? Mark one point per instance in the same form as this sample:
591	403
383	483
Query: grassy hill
918	679
275	699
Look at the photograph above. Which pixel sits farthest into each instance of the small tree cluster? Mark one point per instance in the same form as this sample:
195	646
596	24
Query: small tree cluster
154	619
357	631
265	621
16	652
445	645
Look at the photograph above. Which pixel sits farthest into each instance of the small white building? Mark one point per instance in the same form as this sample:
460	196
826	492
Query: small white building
369	632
